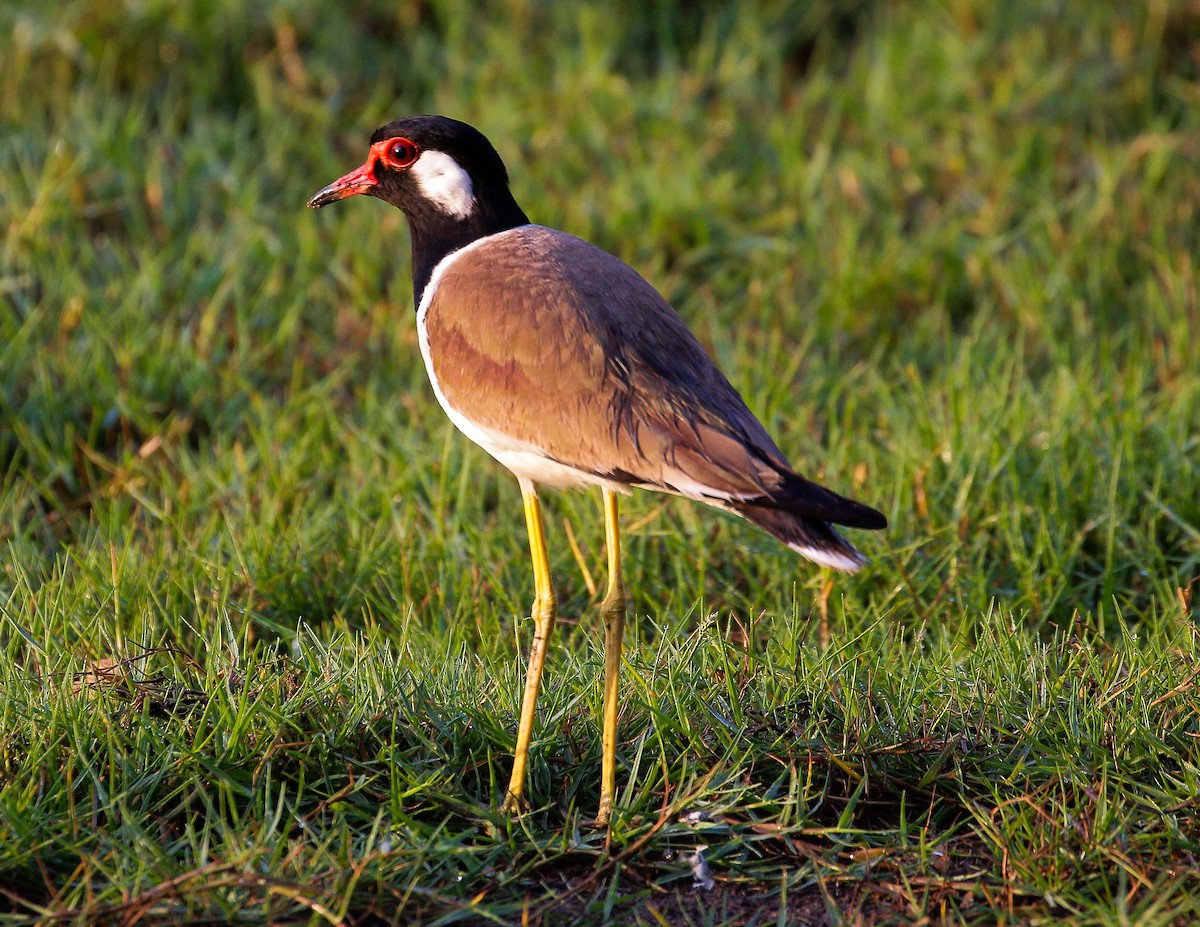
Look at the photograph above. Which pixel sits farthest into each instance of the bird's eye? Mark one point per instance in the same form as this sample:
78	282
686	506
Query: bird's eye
401	152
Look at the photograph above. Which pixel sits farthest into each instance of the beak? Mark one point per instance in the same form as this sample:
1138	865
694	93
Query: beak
359	180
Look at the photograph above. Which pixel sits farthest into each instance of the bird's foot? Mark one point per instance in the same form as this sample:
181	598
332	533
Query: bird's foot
513	804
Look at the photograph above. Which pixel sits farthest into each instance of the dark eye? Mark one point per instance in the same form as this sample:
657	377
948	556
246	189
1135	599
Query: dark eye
402	152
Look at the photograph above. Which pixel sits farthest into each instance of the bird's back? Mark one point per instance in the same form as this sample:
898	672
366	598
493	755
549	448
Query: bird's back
557	344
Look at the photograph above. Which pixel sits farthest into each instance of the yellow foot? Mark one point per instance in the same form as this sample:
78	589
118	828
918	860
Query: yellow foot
513	804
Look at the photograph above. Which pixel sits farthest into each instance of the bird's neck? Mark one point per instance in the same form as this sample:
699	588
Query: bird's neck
436	235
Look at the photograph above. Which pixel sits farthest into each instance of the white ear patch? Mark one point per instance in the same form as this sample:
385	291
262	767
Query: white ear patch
444	183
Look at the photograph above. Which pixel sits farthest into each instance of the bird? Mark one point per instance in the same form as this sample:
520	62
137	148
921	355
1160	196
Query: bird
569	368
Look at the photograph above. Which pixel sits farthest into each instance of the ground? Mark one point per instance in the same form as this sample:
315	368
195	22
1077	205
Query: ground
263	612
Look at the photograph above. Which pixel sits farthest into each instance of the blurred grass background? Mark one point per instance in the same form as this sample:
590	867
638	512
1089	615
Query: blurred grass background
261	606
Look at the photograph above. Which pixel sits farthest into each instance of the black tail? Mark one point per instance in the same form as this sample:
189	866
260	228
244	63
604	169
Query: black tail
804	497
802	515
817	540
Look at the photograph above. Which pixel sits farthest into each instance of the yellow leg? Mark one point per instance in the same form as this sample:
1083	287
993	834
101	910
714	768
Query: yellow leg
543	614
823	605
612	610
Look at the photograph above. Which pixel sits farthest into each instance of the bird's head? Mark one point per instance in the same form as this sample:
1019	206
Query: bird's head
434	168
444	175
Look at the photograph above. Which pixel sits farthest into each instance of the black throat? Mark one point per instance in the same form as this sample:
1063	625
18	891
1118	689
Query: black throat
436	234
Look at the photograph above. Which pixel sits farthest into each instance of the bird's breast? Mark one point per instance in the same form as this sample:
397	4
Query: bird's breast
508	375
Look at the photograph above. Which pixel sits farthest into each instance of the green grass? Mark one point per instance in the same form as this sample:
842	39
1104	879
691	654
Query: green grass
261	608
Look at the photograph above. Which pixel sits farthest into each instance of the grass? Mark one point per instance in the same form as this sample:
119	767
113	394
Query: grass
260	606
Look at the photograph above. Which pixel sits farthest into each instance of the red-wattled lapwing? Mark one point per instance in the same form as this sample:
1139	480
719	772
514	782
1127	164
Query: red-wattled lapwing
570	369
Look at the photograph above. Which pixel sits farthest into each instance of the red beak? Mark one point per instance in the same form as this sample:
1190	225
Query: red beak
360	180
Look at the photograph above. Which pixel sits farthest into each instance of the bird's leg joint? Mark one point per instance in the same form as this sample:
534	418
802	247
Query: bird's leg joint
543	613
613	606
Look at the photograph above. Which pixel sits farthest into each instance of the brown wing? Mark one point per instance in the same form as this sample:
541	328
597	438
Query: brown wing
557	344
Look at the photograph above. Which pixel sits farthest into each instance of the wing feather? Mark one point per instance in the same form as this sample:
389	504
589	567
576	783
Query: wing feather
564	348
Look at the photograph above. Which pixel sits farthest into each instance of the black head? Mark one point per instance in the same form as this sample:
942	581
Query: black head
426	162
447	178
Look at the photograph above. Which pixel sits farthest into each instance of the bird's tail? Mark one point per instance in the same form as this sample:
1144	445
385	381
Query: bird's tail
802	515
817	540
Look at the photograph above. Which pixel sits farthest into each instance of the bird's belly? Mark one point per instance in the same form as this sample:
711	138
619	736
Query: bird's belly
526	461
539	469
